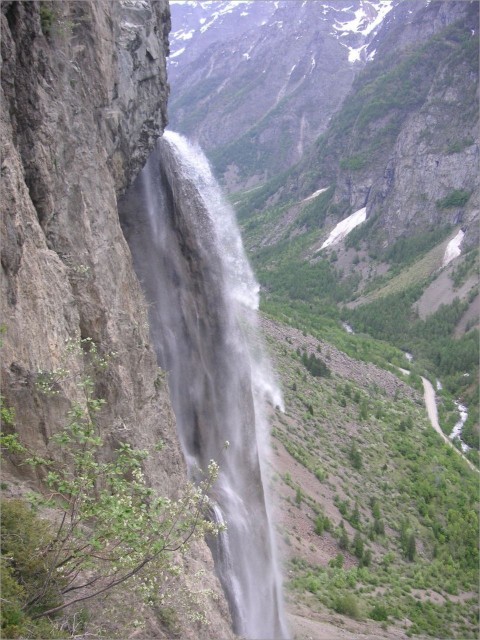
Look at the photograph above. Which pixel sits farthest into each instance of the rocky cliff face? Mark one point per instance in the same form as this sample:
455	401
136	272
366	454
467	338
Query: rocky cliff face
404	143
398	145
429	151
84	95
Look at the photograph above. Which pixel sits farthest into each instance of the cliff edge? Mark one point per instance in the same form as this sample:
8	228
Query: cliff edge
84	94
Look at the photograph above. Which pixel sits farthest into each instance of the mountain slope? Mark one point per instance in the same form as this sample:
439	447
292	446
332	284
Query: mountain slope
396	145
396	151
378	517
377	225
365	492
257	82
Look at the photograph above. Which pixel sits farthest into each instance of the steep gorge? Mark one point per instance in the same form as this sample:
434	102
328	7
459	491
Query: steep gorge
75	137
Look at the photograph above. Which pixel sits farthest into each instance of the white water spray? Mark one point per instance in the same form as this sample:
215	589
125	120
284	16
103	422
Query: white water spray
203	315
458	428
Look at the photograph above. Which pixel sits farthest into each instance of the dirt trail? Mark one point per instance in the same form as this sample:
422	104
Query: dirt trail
429	396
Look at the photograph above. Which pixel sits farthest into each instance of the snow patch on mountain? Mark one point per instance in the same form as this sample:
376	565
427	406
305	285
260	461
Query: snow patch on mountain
184	35
453	249
315	194
212	10
200	17
363	23
177	53
343	228
354	55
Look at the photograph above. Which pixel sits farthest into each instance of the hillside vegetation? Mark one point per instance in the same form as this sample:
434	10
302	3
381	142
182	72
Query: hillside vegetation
380	276
379	518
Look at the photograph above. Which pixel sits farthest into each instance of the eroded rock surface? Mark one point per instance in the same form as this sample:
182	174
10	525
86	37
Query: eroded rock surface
84	95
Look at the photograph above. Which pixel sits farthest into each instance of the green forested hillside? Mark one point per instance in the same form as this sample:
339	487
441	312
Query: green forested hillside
392	523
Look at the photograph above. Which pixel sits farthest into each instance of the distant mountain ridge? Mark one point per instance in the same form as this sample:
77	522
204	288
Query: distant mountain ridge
256	82
405	142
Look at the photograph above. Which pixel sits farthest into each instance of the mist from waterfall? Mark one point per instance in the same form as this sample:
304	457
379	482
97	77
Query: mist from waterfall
203	301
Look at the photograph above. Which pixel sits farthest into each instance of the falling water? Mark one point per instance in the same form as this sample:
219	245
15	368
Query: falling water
458	428
203	301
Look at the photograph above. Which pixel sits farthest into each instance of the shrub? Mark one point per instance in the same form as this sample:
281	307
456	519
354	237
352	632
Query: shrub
456	198
366	559
298	496
364	411
337	562
316	366
168	616
355	516
379	613
343	542
320	474
354	163
47	18
322	523
411	548
460	145
358	546
378	526
355	457
111	525
24	573
347	605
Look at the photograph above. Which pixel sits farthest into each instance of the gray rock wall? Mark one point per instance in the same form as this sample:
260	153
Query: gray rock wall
84	95
66	266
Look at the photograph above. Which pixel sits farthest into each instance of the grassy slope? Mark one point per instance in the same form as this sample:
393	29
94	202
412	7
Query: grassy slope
407	477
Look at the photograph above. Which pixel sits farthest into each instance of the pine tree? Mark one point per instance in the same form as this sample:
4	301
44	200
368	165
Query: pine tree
411	548
343	542
358	546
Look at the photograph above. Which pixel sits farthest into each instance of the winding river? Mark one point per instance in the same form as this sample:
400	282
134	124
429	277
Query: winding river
430	402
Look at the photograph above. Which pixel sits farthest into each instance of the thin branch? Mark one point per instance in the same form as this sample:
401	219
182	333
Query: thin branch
92	581
97	593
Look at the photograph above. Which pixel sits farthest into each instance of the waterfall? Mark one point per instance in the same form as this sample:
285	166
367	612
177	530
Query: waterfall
458	428
203	300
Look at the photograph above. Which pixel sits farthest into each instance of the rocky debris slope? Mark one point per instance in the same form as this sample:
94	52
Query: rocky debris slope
84	96
364	374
